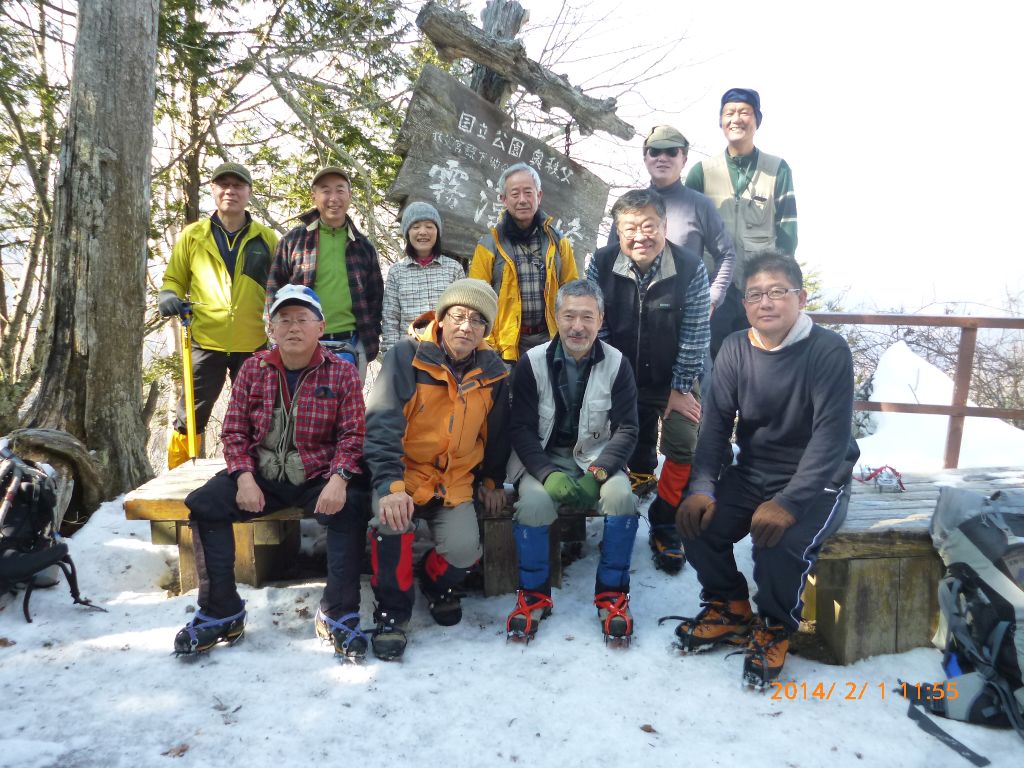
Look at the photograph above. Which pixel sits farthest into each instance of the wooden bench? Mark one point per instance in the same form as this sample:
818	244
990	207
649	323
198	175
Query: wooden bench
500	564
874	587
262	547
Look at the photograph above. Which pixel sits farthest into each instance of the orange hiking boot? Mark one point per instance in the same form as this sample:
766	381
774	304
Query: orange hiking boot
765	654
613	612
719	622
531	608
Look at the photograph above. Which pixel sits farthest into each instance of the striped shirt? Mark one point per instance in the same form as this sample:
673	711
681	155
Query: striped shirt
412	289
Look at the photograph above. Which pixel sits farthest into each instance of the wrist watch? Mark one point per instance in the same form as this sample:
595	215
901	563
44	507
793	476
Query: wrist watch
600	473
343	473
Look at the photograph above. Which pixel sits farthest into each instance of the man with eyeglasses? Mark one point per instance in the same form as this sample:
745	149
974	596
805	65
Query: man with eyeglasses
791	384
573	427
293	437
435	437
692	220
217	277
327	253
525	260
658	306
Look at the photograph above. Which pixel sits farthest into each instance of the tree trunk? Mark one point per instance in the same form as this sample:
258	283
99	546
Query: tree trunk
502	20
92	377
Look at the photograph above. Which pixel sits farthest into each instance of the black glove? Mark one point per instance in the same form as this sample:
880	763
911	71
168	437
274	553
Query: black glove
171	305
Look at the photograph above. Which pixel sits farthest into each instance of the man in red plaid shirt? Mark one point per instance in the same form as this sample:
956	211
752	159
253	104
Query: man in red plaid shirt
293	437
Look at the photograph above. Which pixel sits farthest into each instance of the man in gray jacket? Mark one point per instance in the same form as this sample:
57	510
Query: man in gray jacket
573	428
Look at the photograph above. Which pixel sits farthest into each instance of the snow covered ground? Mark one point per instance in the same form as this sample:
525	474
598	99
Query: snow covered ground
82	689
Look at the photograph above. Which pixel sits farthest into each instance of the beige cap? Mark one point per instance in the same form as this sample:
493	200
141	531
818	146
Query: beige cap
472	293
665	137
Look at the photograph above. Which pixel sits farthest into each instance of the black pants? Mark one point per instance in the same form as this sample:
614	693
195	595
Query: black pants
779	571
208	371
213	509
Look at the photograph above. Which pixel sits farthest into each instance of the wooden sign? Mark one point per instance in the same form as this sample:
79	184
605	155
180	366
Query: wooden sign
456	145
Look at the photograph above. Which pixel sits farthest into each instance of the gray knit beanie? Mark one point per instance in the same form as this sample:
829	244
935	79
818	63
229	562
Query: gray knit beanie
472	293
420	212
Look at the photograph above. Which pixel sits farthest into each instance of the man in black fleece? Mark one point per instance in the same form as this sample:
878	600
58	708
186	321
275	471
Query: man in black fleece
792	384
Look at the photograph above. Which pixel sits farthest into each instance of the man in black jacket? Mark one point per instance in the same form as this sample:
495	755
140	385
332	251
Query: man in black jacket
658	309
791	382
573	426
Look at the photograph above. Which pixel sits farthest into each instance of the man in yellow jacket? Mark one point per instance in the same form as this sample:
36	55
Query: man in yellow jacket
525	260
218	272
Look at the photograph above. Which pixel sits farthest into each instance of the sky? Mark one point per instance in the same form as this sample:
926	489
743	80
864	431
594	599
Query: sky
878	107
102	690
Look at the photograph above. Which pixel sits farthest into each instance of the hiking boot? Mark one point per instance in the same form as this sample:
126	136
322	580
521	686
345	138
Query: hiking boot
643	484
348	639
719	622
765	654
204	632
667	549
613	612
446	608
531	608
388	639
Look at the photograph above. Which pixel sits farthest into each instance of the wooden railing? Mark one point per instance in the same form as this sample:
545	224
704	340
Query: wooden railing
959	409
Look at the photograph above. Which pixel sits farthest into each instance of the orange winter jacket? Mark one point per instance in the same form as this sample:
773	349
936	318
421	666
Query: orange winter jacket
426	432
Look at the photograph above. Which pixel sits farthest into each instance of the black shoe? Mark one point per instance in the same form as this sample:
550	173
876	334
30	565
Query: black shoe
344	633
204	632
388	638
667	547
446	608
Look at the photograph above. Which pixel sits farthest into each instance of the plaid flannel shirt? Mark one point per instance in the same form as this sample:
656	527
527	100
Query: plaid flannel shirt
295	262
330	421
529	258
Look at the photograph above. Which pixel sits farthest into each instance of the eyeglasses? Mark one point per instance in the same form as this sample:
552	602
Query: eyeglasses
775	294
670	151
288	322
474	320
647	229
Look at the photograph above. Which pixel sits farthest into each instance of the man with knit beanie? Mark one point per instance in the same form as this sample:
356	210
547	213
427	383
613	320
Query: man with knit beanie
658	308
415	283
573	427
752	190
435	439
525	260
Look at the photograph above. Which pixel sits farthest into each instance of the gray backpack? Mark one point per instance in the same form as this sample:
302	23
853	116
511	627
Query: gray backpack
981	602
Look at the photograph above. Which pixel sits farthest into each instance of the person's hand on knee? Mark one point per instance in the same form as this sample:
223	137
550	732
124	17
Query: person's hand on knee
562	488
769	523
695	514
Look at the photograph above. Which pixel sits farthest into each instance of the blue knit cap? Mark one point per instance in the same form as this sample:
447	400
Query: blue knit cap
747	96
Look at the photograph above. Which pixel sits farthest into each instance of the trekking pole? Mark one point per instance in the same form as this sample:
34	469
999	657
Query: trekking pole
190	393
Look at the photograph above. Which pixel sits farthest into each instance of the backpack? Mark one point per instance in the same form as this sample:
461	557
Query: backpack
29	541
981	603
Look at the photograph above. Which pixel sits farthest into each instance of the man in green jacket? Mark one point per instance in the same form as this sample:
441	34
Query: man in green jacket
218	272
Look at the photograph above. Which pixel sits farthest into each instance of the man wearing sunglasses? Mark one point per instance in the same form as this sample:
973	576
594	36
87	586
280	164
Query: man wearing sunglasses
791	383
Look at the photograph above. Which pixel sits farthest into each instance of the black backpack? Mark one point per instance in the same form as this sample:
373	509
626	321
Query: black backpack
29	541
981	602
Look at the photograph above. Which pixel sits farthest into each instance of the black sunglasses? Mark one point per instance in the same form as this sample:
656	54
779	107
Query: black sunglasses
671	151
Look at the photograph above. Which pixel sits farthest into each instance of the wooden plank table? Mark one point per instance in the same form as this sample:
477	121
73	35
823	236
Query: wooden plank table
874	587
262	546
